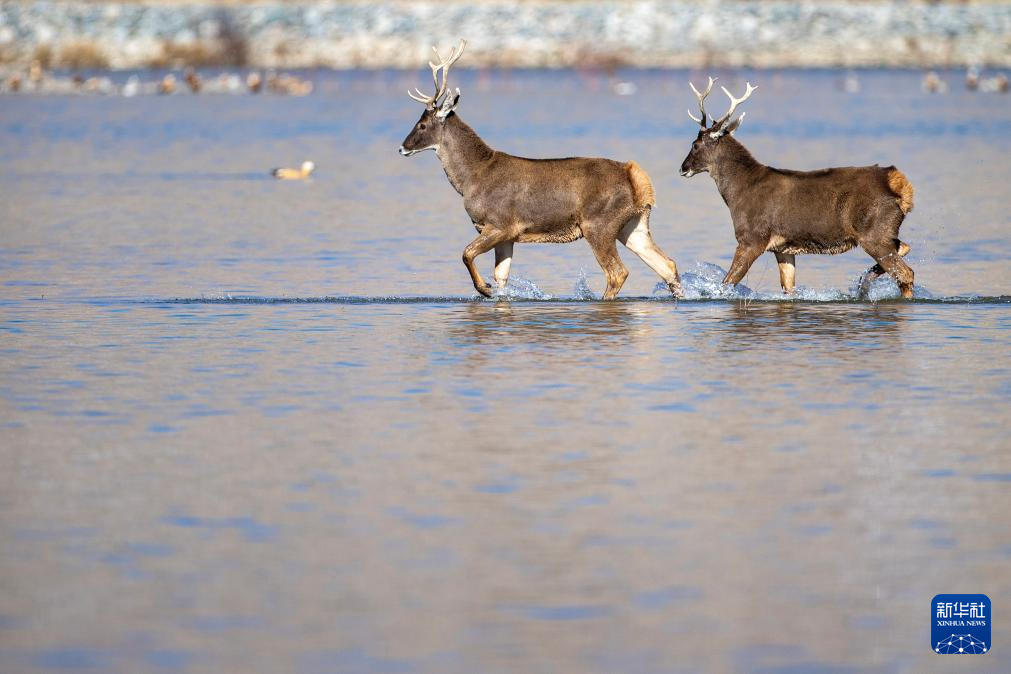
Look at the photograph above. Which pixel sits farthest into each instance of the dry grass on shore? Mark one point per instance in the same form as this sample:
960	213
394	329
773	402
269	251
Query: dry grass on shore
79	55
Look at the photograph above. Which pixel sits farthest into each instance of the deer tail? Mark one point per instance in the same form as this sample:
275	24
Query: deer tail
900	186
642	186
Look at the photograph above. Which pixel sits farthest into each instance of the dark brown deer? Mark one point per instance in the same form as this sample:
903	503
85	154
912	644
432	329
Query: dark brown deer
789	212
511	199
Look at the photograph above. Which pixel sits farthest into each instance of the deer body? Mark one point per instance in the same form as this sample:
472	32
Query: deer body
785	212
517	200
803	212
538	200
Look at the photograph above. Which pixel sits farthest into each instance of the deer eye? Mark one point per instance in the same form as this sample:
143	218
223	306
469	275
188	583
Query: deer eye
421	126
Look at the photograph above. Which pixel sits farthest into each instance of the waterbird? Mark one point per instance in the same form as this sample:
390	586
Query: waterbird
624	88
972	78
995	85
99	85
294	174
36	72
254	82
132	86
933	84
167	85
286	84
851	83
193	80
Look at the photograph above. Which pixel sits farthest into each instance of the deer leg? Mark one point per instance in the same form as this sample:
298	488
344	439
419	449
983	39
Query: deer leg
787	271
503	260
744	257
606	252
877	270
637	238
485	241
889	259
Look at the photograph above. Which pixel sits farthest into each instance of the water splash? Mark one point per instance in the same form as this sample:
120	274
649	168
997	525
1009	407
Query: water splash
582	290
660	290
804	295
702	283
885	288
521	289
705	281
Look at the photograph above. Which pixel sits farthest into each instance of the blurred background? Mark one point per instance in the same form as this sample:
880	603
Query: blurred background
543	33
253	425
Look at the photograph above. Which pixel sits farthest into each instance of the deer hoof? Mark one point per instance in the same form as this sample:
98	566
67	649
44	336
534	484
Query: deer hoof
675	290
484	289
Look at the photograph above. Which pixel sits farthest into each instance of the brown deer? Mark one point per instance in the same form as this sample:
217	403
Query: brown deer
789	212
511	199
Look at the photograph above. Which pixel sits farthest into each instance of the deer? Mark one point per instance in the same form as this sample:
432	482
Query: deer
513	199
788	213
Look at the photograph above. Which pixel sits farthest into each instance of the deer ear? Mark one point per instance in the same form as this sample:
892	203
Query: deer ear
727	128
734	124
448	104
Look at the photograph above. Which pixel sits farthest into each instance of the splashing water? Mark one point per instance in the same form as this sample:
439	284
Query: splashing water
705	281
807	294
702	283
521	289
582	290
885	288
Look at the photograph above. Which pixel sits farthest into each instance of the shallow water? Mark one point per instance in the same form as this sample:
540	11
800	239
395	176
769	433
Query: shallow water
263	427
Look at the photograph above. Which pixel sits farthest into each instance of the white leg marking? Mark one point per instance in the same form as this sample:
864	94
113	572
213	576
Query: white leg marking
503	260
636	237
787	271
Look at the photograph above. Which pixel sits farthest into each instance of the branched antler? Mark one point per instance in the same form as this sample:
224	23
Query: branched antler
440	86
734	102
702	102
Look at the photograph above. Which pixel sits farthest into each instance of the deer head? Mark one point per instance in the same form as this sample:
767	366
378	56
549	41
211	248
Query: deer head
706	148
427	132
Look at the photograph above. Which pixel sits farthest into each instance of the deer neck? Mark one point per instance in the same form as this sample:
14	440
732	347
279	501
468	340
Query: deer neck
462	153
736	172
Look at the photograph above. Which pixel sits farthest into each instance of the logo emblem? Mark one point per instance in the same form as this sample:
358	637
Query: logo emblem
960	624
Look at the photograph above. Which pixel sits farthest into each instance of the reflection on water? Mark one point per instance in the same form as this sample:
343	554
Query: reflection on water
496	486
334	460
873	326
556	328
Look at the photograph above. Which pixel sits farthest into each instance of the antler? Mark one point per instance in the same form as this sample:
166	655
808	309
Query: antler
422	98
734	102
702	101
443	65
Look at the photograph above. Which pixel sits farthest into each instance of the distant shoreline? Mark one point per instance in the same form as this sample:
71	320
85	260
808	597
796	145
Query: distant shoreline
544	34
